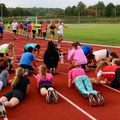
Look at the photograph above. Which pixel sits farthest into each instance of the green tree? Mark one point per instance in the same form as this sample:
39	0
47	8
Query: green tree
68	11
3	10
100	8
80	9
109	9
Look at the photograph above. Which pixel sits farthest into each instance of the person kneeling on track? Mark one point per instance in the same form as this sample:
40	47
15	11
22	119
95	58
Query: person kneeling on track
106	71
82	82
27	60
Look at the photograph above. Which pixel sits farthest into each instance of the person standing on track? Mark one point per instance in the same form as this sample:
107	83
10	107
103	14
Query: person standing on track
34	27
19	89
39	29
44	29
29	30
60	27
52	30
77	76
14	28
44	82
1	30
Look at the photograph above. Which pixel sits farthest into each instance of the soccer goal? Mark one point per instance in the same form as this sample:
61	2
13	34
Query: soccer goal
32	19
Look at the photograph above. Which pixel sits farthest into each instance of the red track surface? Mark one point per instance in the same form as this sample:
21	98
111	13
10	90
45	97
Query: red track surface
34	106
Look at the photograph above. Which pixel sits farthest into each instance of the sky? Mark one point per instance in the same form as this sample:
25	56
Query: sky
52	3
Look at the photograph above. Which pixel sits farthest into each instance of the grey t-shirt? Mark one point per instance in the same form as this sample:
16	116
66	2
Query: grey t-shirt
3	77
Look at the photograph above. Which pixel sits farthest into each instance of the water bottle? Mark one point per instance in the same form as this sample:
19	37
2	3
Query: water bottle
62	58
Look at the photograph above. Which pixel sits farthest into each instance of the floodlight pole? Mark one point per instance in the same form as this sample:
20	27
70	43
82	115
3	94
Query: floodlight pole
79	16
96	11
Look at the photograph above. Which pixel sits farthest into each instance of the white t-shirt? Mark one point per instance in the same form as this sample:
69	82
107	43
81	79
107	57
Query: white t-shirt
4	48
60	28
100	54
14	25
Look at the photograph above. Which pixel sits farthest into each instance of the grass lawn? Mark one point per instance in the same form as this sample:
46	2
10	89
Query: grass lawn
106	34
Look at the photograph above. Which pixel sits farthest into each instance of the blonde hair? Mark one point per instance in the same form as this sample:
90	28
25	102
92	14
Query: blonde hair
100	65
42	70
19	72
11	45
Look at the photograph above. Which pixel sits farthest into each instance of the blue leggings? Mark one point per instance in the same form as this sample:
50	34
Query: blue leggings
84	85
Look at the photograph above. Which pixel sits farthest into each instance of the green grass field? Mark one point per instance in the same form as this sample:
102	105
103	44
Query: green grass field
104	34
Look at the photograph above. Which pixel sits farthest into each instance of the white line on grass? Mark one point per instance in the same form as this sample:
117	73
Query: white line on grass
74	105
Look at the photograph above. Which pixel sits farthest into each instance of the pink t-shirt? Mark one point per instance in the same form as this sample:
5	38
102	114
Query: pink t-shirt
72	74
44	28
78	56
48	77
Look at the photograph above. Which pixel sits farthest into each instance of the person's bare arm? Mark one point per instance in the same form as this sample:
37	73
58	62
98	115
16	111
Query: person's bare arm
28	89
69	83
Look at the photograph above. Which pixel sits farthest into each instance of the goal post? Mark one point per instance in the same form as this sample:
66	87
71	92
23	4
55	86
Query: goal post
32	19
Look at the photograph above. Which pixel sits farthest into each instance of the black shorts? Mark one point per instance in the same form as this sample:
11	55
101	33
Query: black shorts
14	31
52	33
14	93
39	30
1	32
2	54
33	31
45	85
27	67
44	34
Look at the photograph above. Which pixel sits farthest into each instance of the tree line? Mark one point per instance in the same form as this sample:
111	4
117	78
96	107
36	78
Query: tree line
97	10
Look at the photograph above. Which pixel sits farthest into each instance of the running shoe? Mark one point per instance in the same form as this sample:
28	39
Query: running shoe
49	96
92	100
26	72
100	99
2	110
54	96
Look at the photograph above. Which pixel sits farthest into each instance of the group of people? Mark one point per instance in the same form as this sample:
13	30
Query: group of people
31	28
80	58
20	83
107	64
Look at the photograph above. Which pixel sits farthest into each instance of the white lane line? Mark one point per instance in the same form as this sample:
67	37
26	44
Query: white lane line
111	88
103	85
77	107
74	105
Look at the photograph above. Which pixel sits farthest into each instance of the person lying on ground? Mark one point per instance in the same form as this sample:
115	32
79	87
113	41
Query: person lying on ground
83	83
44	82
19	89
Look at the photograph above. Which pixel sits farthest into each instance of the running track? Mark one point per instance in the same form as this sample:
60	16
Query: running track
71	105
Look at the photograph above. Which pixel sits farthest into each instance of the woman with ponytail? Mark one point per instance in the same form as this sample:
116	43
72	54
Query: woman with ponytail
19	89
44	82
